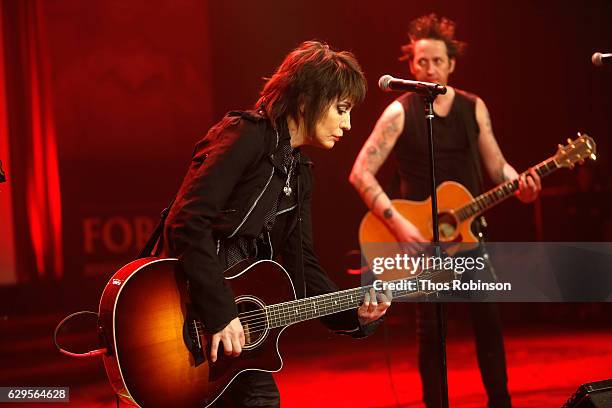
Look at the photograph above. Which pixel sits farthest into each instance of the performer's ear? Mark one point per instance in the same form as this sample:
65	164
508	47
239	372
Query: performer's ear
452	65
410	62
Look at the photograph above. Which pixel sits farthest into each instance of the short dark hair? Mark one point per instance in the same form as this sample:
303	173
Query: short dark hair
313	75
432	27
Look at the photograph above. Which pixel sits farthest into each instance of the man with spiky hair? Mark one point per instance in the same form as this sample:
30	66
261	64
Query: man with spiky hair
462	127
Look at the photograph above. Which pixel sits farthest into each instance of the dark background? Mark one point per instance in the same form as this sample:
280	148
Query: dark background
134	84
126	88
529	62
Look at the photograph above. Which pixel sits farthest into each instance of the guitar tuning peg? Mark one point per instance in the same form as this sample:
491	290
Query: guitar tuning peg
569	140
579	134
560	146
593	157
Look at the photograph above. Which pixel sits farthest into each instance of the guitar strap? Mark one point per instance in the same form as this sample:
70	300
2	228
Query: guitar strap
155	243
299	271
471	127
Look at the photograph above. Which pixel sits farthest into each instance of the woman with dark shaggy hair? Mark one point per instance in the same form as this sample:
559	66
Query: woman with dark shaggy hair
247	196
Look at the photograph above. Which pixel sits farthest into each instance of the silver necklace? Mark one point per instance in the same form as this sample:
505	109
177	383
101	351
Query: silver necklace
287	189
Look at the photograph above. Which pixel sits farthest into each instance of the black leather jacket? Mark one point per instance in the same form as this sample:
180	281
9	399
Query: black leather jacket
233	180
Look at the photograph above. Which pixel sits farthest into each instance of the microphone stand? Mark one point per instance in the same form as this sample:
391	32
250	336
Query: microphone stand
440	306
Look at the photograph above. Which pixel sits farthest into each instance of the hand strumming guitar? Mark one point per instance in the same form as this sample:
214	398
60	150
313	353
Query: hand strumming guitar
232	338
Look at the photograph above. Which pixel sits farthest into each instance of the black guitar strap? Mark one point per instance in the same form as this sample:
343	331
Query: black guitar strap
155	243
471	128
299	271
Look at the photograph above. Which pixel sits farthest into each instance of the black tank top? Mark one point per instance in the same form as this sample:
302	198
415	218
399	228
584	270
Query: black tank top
454	158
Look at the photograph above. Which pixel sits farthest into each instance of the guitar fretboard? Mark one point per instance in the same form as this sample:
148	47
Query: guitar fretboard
498	194
295	311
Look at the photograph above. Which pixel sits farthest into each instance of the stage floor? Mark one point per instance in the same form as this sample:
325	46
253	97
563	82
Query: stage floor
546	364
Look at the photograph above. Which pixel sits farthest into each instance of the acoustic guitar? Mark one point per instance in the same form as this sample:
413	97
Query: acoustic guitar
158	354
457	209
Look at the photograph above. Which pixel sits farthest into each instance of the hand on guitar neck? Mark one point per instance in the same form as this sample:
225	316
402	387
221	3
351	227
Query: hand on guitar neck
374	306
529	185
232	336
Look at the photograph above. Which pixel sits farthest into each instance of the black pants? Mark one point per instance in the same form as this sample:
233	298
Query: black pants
489	350
250	389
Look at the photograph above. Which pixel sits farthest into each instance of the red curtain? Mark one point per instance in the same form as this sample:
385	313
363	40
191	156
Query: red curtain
33	131
7	245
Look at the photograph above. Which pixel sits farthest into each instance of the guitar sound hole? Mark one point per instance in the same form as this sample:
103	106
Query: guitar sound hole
254	321
447	226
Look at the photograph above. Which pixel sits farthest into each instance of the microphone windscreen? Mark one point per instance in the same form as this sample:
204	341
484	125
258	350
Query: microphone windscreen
383	82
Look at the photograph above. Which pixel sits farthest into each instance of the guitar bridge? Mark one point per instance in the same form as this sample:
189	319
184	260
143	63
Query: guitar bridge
192	336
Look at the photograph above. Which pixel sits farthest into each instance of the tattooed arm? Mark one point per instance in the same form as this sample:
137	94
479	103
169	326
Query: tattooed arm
498	168
363	176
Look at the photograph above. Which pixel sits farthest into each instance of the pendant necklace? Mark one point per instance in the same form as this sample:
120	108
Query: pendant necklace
287	189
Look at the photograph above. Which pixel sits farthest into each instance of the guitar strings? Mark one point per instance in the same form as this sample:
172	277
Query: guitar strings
318	300
273	317
308	300
326	300
259	320
257	316
263	319
308	306
262	325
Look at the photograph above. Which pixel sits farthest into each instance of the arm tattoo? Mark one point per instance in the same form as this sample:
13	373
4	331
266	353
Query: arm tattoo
365	190
388	213
390	129
381	147
374	199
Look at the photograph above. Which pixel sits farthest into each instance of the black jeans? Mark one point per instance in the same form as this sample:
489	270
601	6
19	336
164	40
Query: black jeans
489	350
250	389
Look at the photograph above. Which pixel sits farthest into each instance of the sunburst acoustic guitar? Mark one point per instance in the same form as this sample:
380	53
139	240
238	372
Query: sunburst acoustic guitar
157	350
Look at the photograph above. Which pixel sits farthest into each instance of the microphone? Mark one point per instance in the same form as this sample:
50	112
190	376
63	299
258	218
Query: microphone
598	59
388	84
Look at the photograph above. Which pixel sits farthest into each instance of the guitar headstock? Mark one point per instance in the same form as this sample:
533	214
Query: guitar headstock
575	151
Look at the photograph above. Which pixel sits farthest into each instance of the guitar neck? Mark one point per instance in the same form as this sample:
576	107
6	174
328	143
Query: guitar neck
295	311
498	194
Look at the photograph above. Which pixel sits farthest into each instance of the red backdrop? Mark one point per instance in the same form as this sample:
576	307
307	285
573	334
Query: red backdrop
132	85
